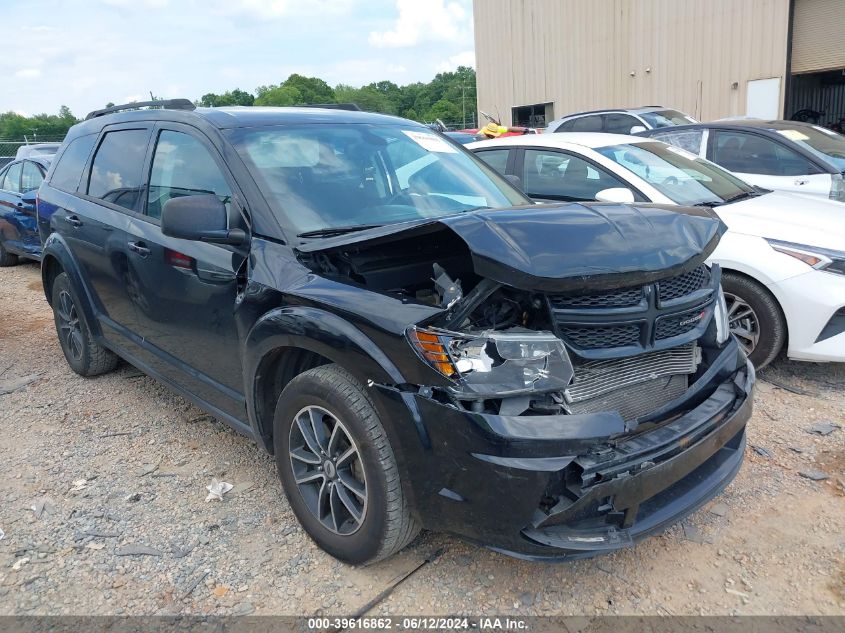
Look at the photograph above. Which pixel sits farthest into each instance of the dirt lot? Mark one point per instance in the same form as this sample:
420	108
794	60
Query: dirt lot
102	503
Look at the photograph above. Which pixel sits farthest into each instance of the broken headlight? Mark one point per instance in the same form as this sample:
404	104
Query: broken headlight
496	364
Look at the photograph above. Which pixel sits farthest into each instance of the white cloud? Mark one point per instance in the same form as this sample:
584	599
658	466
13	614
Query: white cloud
434	20
28	73
464	58
273	9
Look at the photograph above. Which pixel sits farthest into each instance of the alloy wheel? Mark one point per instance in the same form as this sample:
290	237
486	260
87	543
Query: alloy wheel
743	322
70	329
328	470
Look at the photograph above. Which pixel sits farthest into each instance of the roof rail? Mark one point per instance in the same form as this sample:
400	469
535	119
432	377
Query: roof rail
167	104
353	107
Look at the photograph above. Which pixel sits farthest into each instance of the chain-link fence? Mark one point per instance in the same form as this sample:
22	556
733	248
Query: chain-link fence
9	147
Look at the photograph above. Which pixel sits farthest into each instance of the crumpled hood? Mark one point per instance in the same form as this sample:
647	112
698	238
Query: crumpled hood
563	247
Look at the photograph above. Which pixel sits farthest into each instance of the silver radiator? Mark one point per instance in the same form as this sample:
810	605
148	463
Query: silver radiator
633	386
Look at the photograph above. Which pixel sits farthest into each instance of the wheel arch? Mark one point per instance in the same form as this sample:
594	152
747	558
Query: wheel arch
289	341
57	259
726	268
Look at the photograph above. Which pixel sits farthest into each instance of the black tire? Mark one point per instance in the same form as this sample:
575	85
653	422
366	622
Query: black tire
387	524
771	325
7	258
84	355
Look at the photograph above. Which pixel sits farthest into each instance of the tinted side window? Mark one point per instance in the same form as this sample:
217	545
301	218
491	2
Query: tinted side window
116	173
31	177
616	123
753	154
182	166
68	171
496	158
557	175
582	124
12	181
689	140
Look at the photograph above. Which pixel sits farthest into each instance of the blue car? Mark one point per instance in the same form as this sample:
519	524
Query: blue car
19	182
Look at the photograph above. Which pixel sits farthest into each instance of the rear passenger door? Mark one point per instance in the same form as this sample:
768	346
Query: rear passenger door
187	289
767	163
10	208
31	178
94	224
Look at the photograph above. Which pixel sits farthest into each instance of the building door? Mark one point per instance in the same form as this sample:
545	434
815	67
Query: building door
762	99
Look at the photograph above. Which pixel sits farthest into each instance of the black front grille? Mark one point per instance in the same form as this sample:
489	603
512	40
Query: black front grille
602	337
682	285
624	298
677	324
607	324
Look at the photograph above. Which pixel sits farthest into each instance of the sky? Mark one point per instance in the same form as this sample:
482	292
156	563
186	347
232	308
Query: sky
85	53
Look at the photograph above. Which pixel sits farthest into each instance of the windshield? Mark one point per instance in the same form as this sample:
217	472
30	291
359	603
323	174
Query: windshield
676	173
826	144
666	118
323	177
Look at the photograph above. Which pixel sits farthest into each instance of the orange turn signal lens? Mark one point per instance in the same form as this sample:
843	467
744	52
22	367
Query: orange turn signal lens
432	350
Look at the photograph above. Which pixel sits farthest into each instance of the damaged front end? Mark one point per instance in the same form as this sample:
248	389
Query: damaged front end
583	365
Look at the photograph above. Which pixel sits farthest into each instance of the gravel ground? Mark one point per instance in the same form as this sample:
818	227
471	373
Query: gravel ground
102	504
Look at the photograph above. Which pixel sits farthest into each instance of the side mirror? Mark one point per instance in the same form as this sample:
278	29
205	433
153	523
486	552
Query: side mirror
637	129
622	195
516	181
30	197
200	218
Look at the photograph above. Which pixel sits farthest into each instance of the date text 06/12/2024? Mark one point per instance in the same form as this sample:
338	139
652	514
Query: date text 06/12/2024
417	623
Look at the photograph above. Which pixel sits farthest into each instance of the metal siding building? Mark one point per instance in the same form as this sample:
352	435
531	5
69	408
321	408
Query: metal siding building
563	56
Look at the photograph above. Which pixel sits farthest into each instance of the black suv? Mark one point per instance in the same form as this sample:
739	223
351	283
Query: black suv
416	342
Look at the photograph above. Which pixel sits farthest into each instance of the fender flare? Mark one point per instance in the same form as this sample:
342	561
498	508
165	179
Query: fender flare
313	330
55	248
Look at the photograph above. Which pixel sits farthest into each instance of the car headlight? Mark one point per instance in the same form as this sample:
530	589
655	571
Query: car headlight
720	315
496	364
824	259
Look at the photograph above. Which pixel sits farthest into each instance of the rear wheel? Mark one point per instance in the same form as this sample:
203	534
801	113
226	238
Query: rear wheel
7	258
338	469
84	355
754	318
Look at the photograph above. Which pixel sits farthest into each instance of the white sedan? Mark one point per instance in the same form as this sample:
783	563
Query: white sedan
783	257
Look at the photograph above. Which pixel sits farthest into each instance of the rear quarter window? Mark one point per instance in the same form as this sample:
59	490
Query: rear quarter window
68	170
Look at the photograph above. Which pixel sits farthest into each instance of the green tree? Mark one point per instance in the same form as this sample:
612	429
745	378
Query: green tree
236	97
278	96
311	89
444	110
367	98
16	127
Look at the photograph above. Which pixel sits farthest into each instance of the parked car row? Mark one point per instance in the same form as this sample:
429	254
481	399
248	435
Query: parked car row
775	239
19	182
416	341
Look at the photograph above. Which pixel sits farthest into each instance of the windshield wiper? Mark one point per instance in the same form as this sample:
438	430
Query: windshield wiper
741	196
329	231
734	198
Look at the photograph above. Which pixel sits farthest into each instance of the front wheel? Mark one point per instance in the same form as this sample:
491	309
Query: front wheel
338	469
754	317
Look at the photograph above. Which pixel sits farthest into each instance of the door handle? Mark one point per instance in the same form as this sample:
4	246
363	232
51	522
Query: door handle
138	247
801	182
74	221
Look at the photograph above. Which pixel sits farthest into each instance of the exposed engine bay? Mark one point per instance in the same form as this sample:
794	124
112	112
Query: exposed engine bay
631	344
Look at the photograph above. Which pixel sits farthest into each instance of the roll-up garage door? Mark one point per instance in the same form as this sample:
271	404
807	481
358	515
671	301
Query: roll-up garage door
818	35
